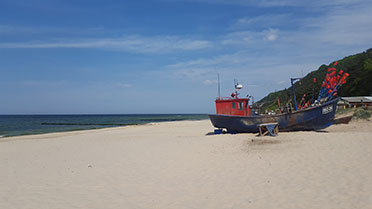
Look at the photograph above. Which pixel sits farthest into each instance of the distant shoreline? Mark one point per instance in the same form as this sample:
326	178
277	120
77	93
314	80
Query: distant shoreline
86	131
20	125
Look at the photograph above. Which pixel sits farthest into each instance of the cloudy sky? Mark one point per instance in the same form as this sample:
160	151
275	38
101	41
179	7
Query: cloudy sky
163	56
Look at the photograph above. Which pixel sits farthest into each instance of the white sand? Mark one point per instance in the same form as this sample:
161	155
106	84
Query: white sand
176	165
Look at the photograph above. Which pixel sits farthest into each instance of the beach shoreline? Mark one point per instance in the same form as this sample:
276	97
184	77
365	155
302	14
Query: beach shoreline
63	133
58	134
181	165
20	125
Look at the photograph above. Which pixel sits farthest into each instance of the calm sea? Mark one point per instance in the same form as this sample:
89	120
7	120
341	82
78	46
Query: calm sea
15	125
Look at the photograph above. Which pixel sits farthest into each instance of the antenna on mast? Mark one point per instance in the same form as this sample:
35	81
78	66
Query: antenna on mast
219	87
237	87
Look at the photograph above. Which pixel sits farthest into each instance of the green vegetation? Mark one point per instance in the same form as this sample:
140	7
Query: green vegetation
359	83
361	114
342	111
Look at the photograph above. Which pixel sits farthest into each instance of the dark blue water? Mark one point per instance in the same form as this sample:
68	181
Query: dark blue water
15	125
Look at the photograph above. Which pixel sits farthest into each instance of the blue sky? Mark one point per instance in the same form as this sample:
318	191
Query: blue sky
80	56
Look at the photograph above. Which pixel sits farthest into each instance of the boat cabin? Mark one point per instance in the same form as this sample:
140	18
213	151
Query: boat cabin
232	106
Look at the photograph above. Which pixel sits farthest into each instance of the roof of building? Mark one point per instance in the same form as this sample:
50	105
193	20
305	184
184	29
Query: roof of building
357	99
342	102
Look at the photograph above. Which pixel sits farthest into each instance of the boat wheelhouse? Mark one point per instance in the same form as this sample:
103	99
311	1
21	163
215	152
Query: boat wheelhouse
232	106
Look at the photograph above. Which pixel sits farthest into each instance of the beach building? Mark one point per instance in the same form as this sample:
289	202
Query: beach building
359	101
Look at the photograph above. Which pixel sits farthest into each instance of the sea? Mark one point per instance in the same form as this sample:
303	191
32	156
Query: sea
16	125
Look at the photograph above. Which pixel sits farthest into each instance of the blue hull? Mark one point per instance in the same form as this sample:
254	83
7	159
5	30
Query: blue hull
313	118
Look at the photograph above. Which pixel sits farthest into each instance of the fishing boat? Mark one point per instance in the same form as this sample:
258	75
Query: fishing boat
235	115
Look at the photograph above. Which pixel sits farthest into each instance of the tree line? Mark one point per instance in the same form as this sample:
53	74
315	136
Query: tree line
359	83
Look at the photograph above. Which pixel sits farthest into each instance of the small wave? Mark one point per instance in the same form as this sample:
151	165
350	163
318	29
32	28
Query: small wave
160	120
88	124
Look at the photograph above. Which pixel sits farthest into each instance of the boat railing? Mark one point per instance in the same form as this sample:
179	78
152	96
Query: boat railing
224	98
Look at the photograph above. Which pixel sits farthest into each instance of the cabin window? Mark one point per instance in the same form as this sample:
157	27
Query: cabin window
233	105
240	105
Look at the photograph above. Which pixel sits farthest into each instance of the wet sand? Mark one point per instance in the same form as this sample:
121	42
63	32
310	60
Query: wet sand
180	165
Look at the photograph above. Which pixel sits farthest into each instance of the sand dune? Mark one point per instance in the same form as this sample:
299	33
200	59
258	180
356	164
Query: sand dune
178	165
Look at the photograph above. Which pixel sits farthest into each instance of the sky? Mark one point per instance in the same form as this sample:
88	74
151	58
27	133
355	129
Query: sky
163	56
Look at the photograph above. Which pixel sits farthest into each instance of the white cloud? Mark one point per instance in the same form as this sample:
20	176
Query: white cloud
136	44
124	85
39	30
343	26
281	3
191	73
262	3
29	84
240	37
244	39
271	34
214	62
210	82
264	21
334	32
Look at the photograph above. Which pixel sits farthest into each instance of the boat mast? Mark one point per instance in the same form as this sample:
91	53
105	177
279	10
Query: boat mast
236	91
219	86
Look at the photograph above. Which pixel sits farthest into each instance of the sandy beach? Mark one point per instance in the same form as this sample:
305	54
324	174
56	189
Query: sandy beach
180	165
